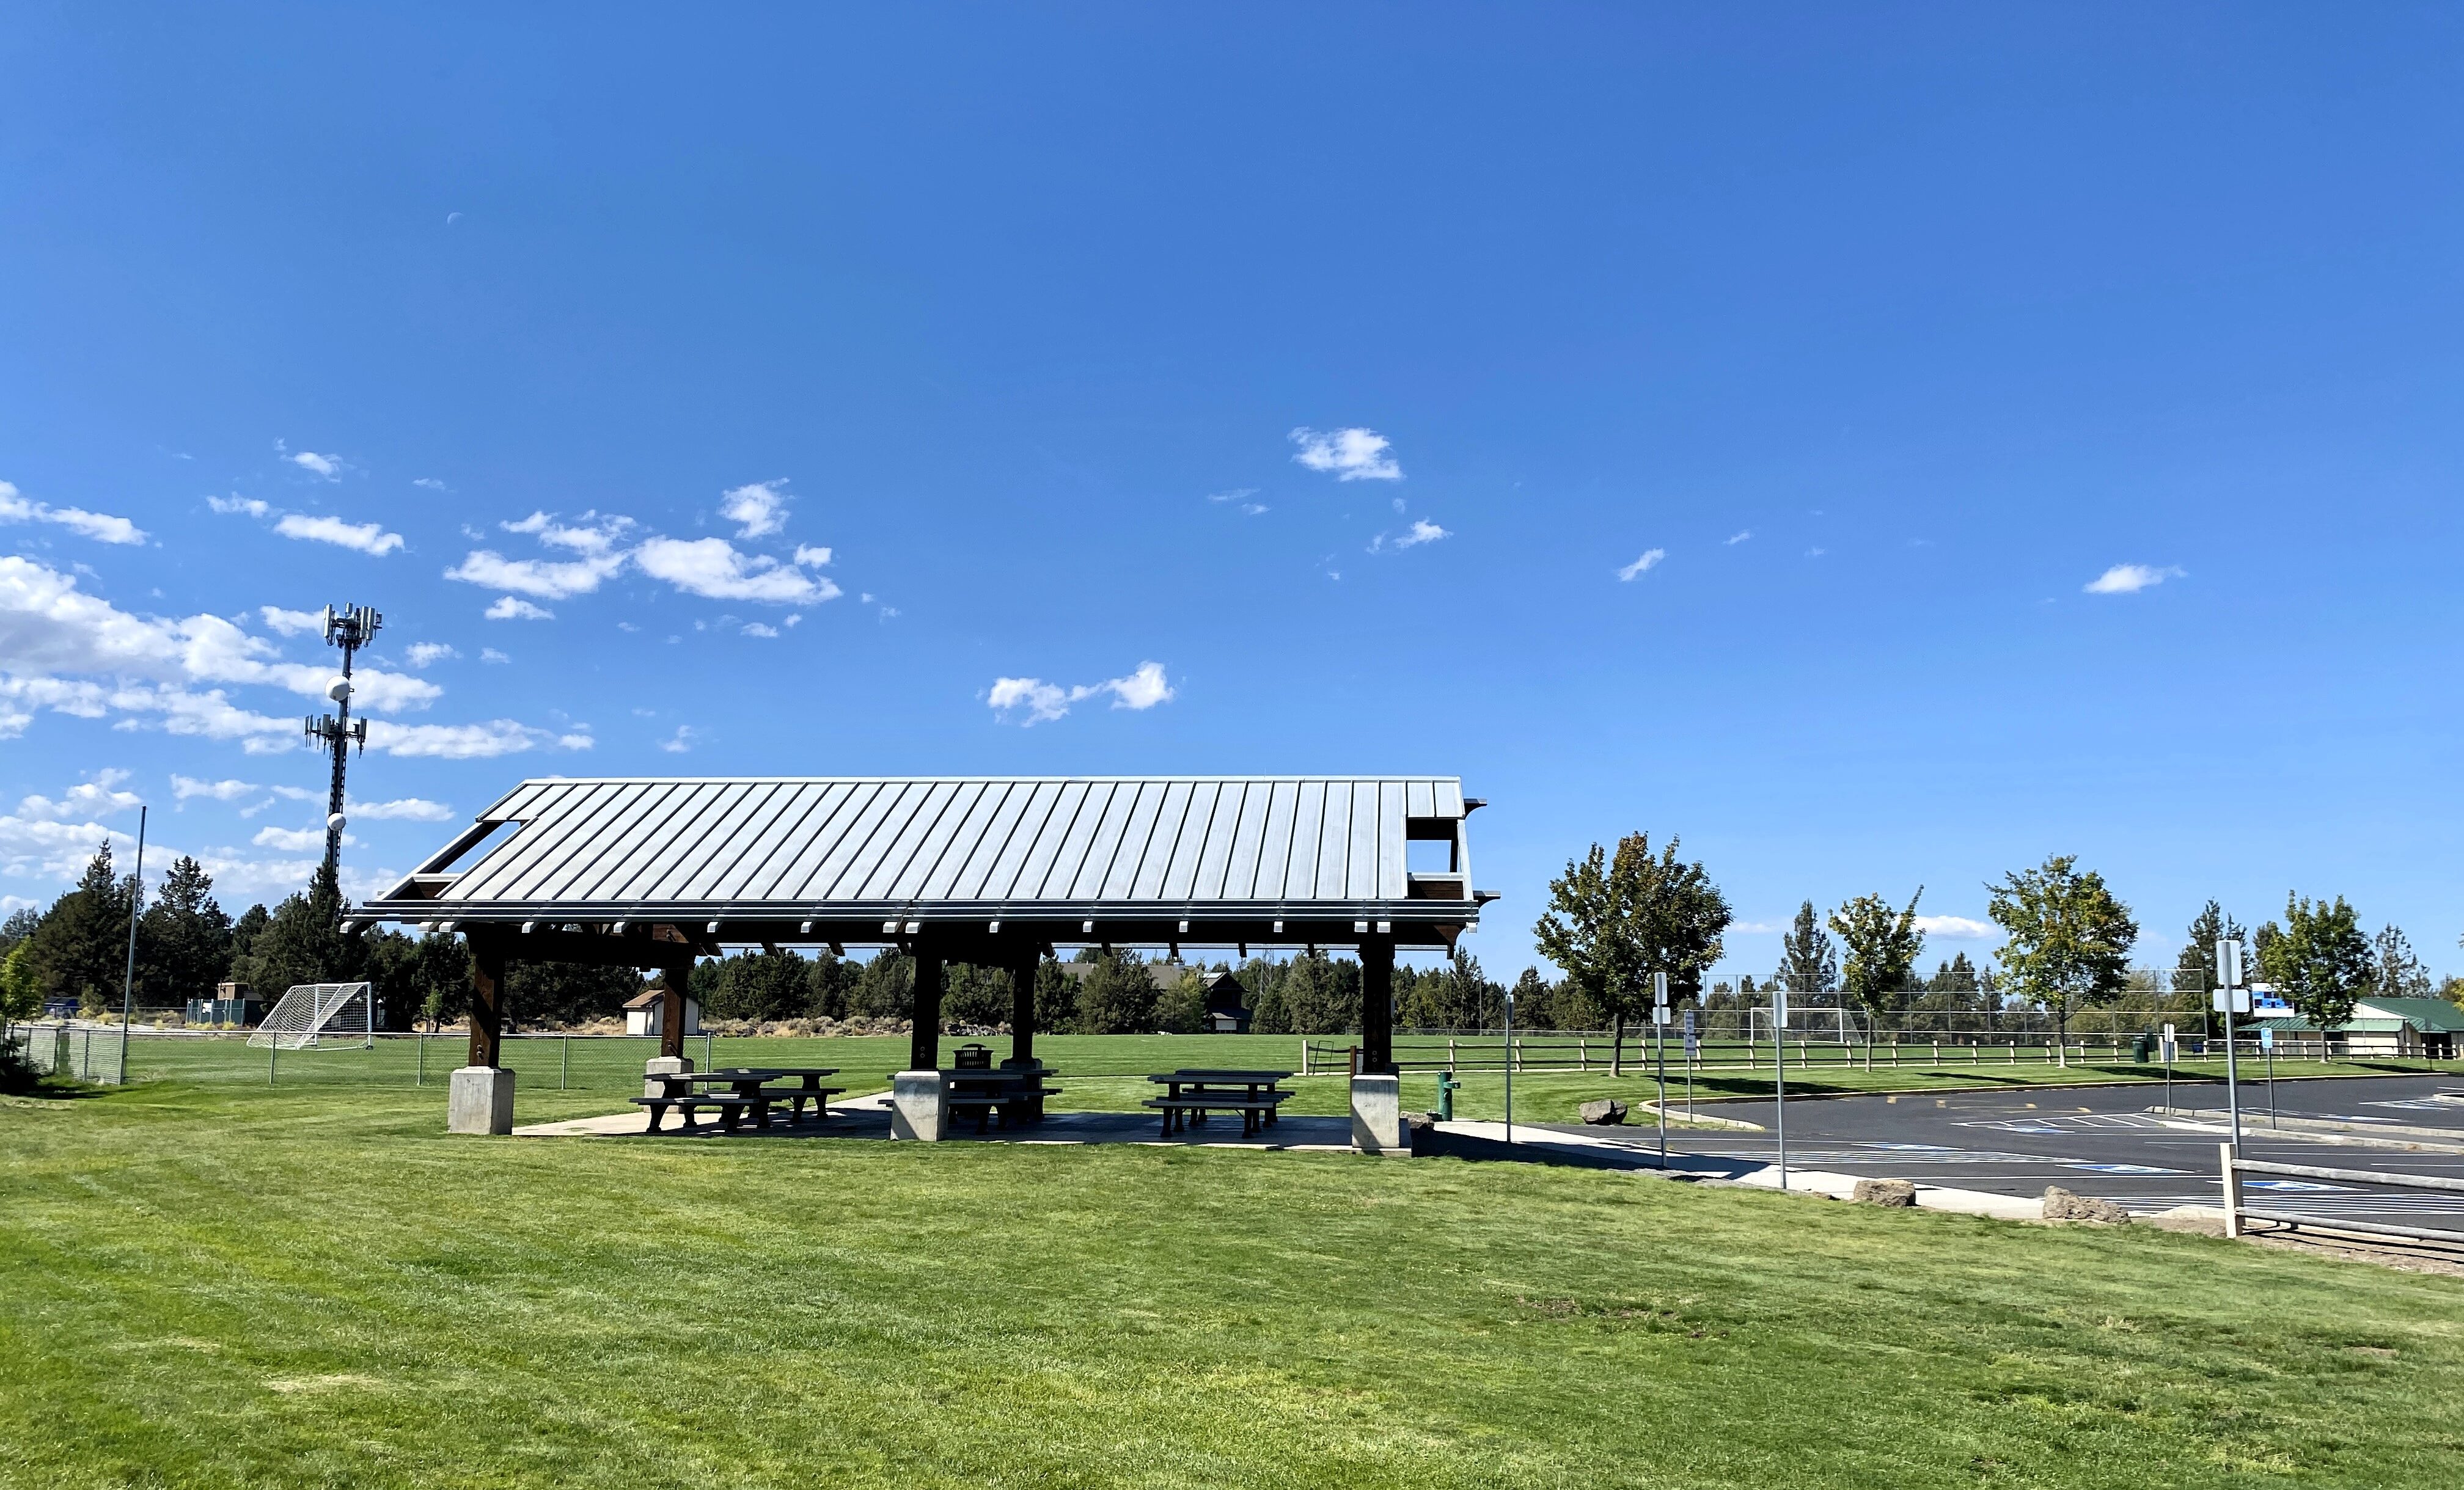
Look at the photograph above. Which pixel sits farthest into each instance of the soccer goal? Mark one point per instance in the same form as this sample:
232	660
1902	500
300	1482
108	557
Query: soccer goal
320	1017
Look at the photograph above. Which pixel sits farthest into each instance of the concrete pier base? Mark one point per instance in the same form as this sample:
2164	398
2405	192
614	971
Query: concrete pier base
918	1107
1377	1115
480	1101
662	1066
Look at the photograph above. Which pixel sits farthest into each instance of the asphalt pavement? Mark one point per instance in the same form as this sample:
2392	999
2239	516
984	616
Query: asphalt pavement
2100	1141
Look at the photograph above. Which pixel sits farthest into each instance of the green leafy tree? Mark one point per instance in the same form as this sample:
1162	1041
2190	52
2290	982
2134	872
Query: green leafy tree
182	938
1883	947
1958	975
21	992
1118	996
1806	963
2321	964
759	985
1614	921
554	993
975	995
1314	996
1183	1008
249	925
2069	938
829	984
1537	1002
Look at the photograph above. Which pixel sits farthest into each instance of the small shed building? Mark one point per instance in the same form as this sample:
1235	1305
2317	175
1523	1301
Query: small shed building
2420	1028
646	1013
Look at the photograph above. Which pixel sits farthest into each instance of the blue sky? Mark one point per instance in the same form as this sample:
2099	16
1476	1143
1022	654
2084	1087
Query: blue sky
1883	448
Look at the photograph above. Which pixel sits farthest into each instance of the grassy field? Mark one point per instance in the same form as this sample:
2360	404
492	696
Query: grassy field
560	1078
217	1283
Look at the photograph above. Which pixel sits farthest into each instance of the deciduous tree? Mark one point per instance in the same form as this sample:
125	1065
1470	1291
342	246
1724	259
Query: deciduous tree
2322	963
1883	947
1614	921
2070	939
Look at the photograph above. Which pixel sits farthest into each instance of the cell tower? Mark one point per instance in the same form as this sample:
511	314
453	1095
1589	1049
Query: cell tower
349	628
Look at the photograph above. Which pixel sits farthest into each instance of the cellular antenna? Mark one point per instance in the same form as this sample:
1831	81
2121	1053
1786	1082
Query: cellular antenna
349	628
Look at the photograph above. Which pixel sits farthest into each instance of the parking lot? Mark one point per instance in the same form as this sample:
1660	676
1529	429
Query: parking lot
2102	1141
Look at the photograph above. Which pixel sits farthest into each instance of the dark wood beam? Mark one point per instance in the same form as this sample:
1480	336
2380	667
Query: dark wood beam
487	999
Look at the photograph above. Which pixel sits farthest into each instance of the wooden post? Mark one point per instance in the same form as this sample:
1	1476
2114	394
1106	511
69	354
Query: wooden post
1377	1006
1021	1007
924	1048
676	979
487	1001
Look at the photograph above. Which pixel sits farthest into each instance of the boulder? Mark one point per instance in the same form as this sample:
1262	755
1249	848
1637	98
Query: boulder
2061	1205
1896	1194
1606	1112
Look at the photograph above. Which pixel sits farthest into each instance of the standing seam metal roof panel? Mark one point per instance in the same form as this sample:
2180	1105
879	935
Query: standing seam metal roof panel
1161	840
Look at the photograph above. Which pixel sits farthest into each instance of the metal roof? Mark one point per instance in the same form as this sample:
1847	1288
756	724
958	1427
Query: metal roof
857	848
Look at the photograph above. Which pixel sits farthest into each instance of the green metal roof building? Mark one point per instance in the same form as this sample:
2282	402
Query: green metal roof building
2430	1028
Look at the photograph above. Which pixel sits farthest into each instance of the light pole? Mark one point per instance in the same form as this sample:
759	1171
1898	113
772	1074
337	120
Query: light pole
128	975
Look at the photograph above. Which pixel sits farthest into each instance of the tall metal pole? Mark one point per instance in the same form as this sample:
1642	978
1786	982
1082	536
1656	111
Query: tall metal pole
1659	1054
349	628
1779	1072
128	974
1509	1066
2229	973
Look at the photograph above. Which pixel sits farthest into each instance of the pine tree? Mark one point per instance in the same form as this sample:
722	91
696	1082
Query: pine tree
302	942
1806	963
182	938
2400	975
80	947
1056	997
1119	996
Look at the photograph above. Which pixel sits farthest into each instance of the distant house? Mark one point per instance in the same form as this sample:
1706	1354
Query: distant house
2424	1028
644	1012
232	1004
1225	1011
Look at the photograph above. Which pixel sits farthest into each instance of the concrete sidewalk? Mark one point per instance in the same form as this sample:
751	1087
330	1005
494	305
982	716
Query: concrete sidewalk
868	1117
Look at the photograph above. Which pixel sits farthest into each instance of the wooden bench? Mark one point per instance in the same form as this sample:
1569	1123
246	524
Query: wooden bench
730	1109
1255	1110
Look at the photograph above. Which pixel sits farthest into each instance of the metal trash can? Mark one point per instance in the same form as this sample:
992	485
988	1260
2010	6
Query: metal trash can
2138	1047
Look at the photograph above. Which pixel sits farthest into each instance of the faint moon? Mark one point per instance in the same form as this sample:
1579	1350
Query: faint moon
450	218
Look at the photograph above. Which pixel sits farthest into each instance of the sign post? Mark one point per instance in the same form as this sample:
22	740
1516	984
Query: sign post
2231	999
1693	1048
1779	1072
2169	1070
2267	1042
1659	1054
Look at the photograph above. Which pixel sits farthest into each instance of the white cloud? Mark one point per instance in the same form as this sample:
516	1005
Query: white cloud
1422	531
414	809
678	743
814	558
1040	699
508	608
595	533
325	466
297	793
429	482
491	654
716	569
544	580
1142	689
467	741
1351	455
101	527
1650	560
292	622
2131	579
369	537
1738	536
89	798
423	654
294	840
756	628
183	787
758	508
235	504
1957	929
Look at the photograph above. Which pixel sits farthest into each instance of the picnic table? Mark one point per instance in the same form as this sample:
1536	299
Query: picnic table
750	1093
1194	1091
1013	1093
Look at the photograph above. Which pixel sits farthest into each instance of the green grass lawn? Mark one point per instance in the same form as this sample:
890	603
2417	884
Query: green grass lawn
219	1284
